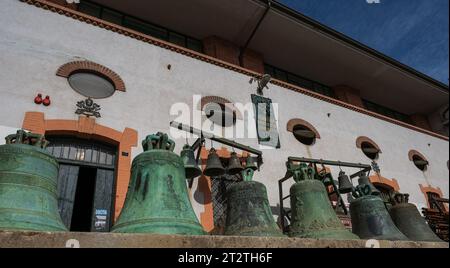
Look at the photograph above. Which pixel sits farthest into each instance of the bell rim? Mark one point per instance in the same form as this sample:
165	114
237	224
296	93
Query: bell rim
221	172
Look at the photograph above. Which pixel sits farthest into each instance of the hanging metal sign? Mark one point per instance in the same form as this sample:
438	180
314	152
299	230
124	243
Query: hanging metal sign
266	124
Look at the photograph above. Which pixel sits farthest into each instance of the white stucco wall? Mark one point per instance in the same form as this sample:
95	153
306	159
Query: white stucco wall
35	42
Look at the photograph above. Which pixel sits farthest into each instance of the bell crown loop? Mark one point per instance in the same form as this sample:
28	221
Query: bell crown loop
158	141
361	190
399	198
24	137
301	171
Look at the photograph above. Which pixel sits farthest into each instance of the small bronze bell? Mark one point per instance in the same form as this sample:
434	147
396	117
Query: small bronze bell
345	185
214	167
364	180
234	164
190	164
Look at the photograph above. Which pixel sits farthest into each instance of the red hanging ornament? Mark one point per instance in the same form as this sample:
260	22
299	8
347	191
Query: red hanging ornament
46	101
38	99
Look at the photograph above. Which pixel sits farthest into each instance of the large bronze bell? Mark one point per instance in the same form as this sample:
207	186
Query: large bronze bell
370	219
407	218
190	164
214	167
234	164
365	180
28	185
157	199
345	185
248	209
312	213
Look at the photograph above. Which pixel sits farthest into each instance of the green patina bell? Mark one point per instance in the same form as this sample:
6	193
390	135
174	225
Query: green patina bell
157	199
248	209
190	164
214	167
407	218
312	213
234	165
28	185
370	219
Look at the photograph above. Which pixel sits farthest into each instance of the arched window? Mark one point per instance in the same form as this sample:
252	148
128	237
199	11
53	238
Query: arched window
303	131
418	159
219	110
90	79
368	147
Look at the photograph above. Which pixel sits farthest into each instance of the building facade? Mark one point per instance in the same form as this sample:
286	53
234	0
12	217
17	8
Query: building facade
144	58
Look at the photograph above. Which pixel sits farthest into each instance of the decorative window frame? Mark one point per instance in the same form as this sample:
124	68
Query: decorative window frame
363	139
221	101
413	153
88	66
294	122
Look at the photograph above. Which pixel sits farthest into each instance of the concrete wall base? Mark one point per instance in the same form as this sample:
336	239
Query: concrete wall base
110	240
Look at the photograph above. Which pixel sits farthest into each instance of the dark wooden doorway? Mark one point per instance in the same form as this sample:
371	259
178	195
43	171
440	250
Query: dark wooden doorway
86	182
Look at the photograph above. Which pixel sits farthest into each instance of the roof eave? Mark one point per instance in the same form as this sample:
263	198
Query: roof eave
355	44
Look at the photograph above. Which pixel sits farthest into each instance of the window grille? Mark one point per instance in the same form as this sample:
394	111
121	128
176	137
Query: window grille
79	152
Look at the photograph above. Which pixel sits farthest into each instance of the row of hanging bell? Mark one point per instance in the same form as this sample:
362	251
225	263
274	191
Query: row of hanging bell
214	166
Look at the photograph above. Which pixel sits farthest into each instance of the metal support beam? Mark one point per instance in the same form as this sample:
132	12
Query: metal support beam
211	136
330	163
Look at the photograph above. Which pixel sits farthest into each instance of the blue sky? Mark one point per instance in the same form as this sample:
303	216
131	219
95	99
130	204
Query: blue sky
414	32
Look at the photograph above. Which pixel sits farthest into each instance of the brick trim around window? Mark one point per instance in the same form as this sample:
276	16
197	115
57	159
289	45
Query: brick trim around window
76	66
219	100
412	153
362	139
294	122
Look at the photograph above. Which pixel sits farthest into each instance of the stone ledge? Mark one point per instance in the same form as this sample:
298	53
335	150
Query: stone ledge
109	240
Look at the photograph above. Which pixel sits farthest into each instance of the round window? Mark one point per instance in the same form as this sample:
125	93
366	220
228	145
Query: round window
220	114
370	150
91	85
419	162
304	135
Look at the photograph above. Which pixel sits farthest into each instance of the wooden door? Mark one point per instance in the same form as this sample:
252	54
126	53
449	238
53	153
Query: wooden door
67	186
